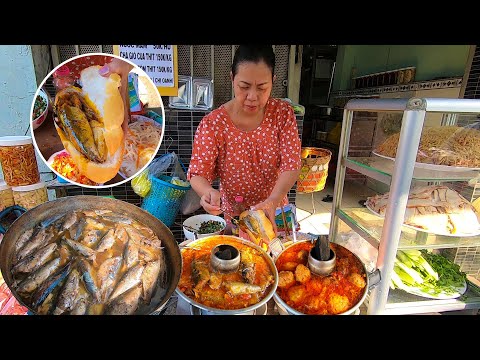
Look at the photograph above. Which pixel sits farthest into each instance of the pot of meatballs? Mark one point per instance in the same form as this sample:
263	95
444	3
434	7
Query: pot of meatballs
305	290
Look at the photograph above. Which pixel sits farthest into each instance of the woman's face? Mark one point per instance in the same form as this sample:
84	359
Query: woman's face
252	86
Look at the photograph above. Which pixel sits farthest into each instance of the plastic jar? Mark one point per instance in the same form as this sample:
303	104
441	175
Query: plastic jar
31	195
62	78
19	164
6	195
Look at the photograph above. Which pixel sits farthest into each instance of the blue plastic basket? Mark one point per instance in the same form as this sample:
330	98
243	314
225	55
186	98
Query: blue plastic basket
164	199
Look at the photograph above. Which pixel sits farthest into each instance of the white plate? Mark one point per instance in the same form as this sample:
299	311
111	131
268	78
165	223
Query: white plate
416	291
431	166
426	230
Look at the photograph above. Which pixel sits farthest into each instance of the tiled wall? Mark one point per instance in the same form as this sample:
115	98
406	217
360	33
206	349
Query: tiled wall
180	127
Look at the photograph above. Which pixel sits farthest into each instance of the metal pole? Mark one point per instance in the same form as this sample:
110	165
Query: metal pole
444	105
412	125
341	170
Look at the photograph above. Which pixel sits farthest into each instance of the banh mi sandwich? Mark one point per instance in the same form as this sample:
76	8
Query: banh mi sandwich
258	227
89	123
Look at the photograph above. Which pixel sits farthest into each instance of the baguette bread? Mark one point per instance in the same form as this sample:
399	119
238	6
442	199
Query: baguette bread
257	226
89	124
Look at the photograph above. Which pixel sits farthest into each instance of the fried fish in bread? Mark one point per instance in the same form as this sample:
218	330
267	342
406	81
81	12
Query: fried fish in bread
89	123
258	227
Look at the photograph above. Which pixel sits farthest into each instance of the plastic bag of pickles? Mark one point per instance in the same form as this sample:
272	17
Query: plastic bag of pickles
169	165
141	184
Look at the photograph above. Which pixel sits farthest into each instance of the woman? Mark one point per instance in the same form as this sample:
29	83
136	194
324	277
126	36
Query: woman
250	143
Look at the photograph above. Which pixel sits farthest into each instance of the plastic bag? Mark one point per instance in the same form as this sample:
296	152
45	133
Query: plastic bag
190	203
168	164
141	184
360	247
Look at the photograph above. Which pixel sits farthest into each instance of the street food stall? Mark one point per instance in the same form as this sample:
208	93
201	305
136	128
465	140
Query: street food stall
118	247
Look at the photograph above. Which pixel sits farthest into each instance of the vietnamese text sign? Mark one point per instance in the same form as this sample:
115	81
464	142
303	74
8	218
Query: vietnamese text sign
158	61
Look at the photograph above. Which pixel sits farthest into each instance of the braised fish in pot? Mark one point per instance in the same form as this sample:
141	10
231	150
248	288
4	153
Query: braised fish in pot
78	263
248	285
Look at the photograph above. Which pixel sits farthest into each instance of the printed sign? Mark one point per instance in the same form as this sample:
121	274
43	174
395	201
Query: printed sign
158	61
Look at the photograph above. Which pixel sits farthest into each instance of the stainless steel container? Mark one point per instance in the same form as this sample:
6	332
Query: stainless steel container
371	280
200	309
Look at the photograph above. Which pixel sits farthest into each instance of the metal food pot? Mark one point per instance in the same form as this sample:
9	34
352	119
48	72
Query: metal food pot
371	280
200	309
167	282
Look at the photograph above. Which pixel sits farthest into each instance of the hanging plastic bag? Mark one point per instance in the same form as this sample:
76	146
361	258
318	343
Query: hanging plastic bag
162	165
141	184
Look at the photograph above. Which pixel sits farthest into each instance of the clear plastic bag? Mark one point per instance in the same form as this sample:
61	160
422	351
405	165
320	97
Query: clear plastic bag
360	247
169	165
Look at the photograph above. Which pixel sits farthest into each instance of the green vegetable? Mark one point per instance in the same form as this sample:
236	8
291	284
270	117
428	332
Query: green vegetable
210	226
414	274
404	276
404	258
39	107
449	274
431	273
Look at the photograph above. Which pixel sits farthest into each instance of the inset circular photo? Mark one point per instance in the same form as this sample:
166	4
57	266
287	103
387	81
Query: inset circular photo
97	120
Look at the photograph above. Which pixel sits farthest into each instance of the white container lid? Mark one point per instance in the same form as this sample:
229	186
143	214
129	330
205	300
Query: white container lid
15	140
3	185
36	186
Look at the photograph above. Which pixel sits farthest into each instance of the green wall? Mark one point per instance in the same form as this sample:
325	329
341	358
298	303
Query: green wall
431	61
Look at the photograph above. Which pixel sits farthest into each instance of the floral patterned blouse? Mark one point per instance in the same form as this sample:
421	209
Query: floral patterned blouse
247	163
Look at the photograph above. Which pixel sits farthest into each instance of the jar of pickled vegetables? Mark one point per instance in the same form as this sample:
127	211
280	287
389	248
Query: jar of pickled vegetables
19	164
31	195
6	195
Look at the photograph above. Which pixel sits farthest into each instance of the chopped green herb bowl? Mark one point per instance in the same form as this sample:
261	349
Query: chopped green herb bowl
208	221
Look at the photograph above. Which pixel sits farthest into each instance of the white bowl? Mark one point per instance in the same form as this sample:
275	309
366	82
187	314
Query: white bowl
195	222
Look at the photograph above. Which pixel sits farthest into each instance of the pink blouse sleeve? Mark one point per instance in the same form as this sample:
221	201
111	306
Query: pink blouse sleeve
291	145
204	153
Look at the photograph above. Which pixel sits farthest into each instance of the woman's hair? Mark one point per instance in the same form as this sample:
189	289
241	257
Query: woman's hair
255	54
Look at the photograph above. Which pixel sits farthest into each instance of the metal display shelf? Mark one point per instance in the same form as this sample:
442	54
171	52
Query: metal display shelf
382	169
402	303
369	226
388	234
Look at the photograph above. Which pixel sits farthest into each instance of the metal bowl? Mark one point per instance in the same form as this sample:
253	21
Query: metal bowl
285	309
250	310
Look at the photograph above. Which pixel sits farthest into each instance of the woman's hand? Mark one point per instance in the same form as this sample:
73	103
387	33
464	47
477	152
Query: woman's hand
210	201
269	206
121	68
117	66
